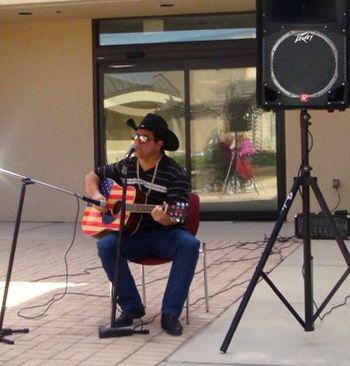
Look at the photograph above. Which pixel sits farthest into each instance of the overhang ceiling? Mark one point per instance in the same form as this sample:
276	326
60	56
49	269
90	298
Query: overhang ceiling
34	10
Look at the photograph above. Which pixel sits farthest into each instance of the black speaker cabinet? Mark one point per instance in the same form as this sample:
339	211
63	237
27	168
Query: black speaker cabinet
302	54
320	228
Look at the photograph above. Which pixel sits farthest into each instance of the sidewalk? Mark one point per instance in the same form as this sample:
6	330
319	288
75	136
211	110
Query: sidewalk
68	332
268	335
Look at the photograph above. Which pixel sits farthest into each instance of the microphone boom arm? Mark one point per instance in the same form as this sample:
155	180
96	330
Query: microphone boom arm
34	181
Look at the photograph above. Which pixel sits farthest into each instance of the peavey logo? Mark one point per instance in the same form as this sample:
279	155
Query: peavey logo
303	37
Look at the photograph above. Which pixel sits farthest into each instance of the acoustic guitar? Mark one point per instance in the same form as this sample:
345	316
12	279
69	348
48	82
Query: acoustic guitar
98	223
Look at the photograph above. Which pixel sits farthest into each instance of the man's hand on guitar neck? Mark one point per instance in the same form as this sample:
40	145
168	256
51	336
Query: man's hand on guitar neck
159	215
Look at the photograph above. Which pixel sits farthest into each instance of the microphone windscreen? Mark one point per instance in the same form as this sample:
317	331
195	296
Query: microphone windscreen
131	123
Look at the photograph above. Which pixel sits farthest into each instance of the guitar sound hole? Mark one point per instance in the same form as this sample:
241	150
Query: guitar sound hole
117	207
107	218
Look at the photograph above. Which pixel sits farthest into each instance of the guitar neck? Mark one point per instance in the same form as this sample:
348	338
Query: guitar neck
139	207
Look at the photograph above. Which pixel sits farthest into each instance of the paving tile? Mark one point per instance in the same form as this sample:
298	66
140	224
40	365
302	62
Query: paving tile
67	334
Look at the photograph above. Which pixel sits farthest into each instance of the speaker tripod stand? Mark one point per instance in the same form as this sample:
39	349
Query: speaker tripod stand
303	181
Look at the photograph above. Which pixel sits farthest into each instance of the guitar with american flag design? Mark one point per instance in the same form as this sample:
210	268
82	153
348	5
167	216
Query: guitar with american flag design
98	223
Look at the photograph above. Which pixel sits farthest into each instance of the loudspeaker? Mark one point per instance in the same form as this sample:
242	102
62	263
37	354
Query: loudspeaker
302	49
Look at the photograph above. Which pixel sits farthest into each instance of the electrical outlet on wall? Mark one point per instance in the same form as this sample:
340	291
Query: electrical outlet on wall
336	183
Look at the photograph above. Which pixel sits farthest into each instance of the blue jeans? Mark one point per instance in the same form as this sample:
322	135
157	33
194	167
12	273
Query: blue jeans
177	244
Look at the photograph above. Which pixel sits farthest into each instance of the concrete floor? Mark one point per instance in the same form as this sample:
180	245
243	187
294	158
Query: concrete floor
266	335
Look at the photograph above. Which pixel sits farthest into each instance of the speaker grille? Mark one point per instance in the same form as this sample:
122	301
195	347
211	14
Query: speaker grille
302	68
304	63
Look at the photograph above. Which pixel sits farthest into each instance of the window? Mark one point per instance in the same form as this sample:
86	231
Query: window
176	29
233	151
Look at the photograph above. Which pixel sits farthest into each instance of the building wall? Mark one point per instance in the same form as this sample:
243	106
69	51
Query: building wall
46	115
46	123
329	157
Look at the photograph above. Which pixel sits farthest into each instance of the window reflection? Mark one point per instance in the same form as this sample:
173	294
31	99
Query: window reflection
233	143
133	95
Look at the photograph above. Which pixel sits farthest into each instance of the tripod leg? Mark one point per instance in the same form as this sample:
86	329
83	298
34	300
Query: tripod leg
7	331
322	202
260	266
5	340
308	259
343	248
224	188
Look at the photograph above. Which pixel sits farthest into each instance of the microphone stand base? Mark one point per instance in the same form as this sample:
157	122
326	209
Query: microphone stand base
109	332
8	331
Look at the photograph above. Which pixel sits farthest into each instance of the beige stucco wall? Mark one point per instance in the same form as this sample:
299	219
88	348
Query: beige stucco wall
46	114
329	157
46	122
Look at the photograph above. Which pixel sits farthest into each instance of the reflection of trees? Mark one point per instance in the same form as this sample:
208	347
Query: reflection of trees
171	108
242	113
177	109
237	106
134	94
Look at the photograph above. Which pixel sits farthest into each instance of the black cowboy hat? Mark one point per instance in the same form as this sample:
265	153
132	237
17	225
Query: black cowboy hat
156	124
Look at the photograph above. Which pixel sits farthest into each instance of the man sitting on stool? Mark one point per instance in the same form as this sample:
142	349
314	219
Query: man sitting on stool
162	180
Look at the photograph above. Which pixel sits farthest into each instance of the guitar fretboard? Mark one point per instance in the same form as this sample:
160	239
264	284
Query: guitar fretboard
139	207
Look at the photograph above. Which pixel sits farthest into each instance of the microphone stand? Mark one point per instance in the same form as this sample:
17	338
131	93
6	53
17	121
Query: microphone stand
112	330
9	331
4	332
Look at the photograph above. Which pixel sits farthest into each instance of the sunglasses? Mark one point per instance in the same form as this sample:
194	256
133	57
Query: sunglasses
142	138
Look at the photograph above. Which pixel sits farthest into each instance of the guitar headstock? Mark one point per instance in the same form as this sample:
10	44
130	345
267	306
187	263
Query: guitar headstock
177	211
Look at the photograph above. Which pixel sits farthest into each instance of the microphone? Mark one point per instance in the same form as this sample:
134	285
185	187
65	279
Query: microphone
101	203
131	149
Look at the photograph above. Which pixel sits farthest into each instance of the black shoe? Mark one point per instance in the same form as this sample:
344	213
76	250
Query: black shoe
127	316
171	325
